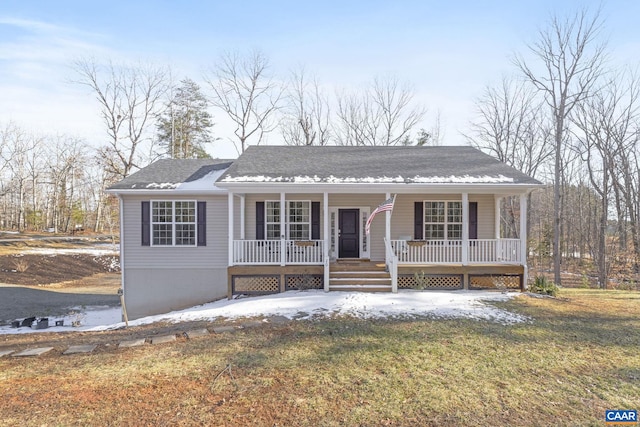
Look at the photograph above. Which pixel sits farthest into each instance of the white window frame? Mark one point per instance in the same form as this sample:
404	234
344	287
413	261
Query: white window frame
173	223
286	223
446	222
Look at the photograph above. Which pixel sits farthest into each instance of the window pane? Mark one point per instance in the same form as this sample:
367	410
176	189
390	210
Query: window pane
298	211
185	234
433	211
162	234
273	231
434	232
299	232
454	212
454	232
185	211
273	211
162	212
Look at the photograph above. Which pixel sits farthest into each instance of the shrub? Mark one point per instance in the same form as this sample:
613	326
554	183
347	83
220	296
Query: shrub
422	281
544	286
21	265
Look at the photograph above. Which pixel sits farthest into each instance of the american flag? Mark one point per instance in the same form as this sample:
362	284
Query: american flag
387	205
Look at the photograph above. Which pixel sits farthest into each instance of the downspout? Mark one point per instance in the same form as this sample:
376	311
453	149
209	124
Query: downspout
121	291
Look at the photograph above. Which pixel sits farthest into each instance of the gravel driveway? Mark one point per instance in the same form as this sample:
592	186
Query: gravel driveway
18	302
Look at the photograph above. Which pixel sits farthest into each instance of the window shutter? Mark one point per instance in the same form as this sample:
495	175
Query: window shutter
473	220
418	218
146	223
202	223
315	220
259	220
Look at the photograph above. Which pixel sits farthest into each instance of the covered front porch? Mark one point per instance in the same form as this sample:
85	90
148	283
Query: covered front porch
293	238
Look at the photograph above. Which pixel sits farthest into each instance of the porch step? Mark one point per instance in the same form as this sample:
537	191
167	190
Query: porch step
360	288
360	281
358	274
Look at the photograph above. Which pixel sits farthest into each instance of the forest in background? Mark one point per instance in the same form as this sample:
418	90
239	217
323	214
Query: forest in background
564	116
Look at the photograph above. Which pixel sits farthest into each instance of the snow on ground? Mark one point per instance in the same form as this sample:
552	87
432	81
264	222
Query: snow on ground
309	304
101	249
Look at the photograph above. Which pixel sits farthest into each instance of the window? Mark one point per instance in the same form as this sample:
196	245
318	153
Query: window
298	220
443	220
272	222
173	223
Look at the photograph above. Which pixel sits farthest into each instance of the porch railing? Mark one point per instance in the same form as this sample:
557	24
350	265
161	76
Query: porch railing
480	251
278	252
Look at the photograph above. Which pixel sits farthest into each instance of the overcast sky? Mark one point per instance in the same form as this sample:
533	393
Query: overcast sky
448	51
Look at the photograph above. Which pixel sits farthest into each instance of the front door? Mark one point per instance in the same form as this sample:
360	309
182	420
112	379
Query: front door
348	233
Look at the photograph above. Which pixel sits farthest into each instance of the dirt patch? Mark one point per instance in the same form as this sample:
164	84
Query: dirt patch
33	270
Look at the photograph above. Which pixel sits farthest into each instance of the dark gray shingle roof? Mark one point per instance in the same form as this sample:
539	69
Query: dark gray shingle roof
444	164
163	173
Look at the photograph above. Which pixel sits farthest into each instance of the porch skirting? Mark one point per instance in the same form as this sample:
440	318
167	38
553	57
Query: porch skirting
269	279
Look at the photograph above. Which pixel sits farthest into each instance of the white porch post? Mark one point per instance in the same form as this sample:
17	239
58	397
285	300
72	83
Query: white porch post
387	232
283	212
327	239
242	205
523	236
497	216
230	215
465	228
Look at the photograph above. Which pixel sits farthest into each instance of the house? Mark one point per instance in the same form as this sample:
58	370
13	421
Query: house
287	217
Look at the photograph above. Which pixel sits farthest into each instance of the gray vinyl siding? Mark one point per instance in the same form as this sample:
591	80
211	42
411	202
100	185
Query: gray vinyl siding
214	254
160	279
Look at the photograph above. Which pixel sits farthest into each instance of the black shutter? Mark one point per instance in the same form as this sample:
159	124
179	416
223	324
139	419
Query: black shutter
418	218
202	224
146	223
259	220
473	220
315	220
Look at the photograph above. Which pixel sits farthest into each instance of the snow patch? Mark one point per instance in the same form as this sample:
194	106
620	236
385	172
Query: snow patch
465	179
310	304
452	179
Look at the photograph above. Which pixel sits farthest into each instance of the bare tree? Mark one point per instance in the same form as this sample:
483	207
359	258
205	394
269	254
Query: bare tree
511	127
571	61
381	115
307	117
246	93
129	98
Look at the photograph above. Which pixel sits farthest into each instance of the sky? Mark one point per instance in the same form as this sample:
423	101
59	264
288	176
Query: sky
447	51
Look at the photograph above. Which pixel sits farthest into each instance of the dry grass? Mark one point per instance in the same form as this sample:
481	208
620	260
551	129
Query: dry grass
578	357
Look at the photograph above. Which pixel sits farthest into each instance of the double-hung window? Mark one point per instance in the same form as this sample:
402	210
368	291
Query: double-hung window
443	220
173	223
297	220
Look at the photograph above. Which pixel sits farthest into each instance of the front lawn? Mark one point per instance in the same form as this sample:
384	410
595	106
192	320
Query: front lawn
579	355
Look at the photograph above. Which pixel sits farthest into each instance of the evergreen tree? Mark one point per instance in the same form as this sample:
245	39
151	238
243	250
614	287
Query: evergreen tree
184	126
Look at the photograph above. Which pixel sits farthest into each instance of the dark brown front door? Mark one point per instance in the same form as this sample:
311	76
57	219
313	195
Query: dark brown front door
349	233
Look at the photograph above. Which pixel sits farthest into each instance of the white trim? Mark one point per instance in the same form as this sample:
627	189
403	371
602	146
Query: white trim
465	228
523	229
497	216
242	219
230	221
327	239
387	223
